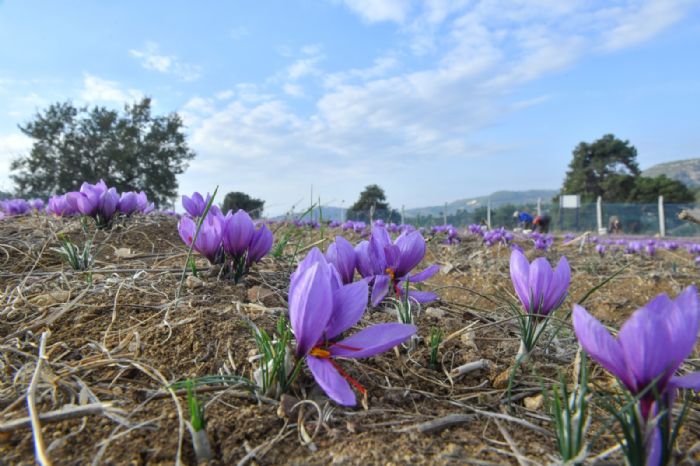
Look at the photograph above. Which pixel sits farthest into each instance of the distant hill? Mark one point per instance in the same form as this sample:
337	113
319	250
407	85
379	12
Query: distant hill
497	199
685	171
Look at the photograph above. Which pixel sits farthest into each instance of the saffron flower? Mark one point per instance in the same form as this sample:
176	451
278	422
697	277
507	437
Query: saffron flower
96	201
342	255
208	241
196	204
387	264
321	308
260	245
238	231
648	351
539	288
61	206
650	346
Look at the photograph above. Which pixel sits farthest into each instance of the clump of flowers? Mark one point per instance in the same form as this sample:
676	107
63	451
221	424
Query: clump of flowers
540	290
648	351
231	240
321	309
449	233
387	265
100	202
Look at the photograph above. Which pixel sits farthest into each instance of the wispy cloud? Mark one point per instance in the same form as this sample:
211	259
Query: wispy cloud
152	59
98	90
392	112
380	10
640	22
11	147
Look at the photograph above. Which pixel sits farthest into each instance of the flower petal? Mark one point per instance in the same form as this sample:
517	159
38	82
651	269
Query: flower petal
540	277
373	340
422	296
647	343
336	387
380	289
412	247
425	274
556	292
520	275
341	254
349	303
310	306
602	347
691	381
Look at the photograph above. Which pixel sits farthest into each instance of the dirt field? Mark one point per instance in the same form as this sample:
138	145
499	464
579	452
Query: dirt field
116	337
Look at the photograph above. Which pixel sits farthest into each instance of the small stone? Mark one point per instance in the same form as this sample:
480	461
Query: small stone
447	268
123	252
262	295
435	312
500	381
192	282
534	402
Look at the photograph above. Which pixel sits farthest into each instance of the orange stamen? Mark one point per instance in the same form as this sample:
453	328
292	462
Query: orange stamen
320	353
391	273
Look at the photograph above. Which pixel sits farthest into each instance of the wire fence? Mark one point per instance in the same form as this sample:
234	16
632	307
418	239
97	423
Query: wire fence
636	219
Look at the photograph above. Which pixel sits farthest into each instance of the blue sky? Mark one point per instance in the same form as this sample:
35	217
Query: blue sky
433	100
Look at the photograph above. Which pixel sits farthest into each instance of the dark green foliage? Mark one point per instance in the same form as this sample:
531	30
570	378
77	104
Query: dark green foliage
608	168
648	190
373	201
237	200
131	151
596	166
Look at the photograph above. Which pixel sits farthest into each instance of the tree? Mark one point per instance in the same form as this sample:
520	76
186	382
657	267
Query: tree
595	165
133	151
372	199
237	200
647	190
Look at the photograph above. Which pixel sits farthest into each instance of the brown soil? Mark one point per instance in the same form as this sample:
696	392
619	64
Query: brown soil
120	335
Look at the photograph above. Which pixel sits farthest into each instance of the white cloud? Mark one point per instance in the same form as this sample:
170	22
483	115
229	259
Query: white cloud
151	59
293	90
374	120
11	146
98	90
380	10
642	22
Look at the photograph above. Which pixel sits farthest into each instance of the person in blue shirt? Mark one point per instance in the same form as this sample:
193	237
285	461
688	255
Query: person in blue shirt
524	219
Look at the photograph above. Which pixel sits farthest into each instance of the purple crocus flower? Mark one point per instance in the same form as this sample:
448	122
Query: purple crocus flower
600	249
342	255
237	233
539	288
652	344
260	245
36	204
196	204
60	206
127	203
388	264
650	347
208	242
321	308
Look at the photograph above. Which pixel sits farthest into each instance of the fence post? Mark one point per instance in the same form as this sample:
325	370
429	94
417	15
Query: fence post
488	214
599	215
662	217
539	206
403	215
444	215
